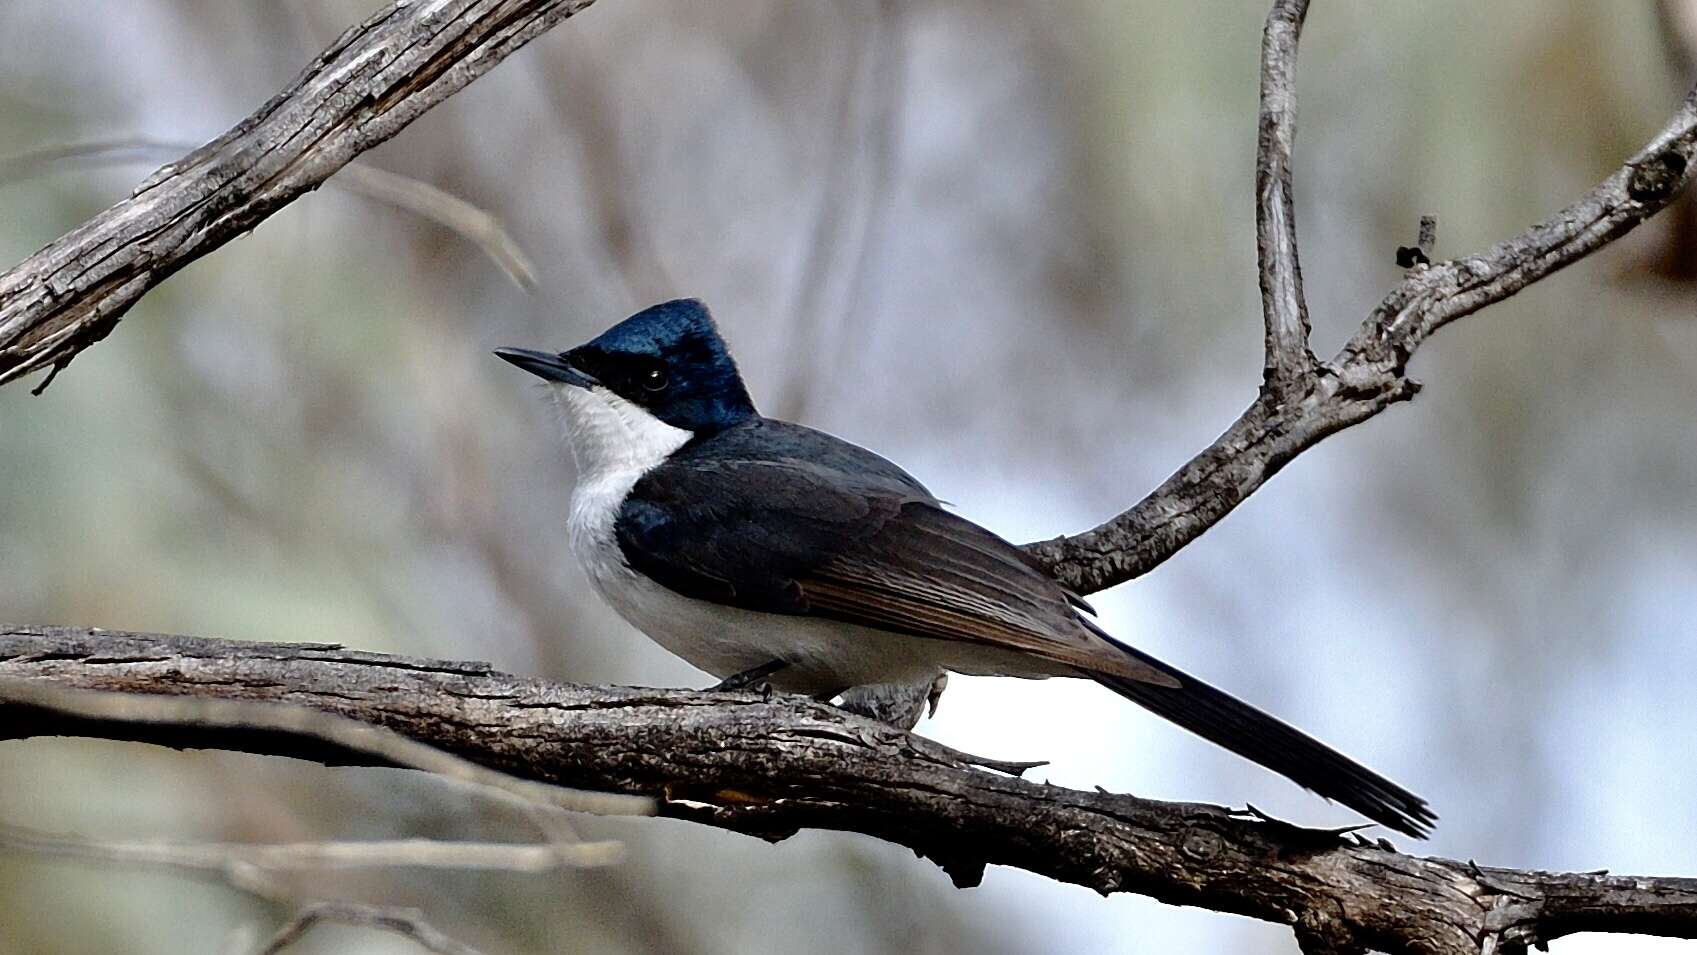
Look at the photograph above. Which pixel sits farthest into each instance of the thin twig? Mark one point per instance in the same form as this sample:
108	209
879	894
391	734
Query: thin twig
1289	361
1420	253
1427	242
481	227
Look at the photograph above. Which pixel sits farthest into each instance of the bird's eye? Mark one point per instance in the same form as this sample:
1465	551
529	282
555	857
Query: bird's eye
654	380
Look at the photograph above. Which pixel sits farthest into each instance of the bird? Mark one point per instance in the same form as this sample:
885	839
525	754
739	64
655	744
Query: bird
770	554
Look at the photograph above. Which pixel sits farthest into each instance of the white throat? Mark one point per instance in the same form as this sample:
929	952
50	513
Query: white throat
614	442
612	438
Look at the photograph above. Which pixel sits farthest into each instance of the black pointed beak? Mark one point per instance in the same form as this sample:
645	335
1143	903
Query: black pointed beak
545	365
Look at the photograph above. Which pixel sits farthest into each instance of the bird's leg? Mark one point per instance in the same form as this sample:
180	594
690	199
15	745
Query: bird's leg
748	679
898	704
933	696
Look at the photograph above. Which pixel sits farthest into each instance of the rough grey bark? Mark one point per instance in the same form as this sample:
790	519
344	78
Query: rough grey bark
1303	400
770	768
373	81
1289	362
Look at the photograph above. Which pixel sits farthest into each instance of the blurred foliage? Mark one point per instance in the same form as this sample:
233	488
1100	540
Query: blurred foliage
1011	247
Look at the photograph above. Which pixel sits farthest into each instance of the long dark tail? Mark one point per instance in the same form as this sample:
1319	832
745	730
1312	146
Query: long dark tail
1280	747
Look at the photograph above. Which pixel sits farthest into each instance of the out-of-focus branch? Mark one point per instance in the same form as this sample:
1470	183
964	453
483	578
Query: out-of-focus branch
410	923
863	124
772	767
1678	20
447	210
226	857
373	81
421	198
1303	401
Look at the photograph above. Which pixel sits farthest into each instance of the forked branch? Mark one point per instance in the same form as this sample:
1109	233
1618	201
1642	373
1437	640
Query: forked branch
1303	401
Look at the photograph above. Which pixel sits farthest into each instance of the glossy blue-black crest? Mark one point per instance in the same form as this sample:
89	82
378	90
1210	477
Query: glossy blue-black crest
669	359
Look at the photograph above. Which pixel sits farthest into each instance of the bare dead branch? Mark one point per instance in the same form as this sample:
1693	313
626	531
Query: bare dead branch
1289	362
373	81
215	716
1427	240
770	768
257	868
1370	373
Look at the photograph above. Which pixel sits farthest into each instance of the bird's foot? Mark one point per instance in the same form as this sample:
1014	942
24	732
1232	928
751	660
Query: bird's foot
898	704
750	678
1013	767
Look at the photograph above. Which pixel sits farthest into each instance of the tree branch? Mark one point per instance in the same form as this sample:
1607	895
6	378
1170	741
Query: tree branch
305	726
1370	373
771	768
1289	362
421	198
373	81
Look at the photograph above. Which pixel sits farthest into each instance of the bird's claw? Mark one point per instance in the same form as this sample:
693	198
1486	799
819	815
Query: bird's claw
750	678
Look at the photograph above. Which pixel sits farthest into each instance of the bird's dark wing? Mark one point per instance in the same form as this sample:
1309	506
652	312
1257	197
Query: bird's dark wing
931	573
802	523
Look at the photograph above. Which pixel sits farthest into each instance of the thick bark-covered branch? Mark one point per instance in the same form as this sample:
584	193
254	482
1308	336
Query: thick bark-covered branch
373	81
770	768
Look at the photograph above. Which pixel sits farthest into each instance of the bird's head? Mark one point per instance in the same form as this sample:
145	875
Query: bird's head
667	361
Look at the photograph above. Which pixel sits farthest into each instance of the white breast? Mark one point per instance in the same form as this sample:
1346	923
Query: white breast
614	443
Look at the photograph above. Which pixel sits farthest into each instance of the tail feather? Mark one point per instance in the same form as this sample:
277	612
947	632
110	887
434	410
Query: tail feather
1250	733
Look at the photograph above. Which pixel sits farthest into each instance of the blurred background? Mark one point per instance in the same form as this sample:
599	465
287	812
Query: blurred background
1009	246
